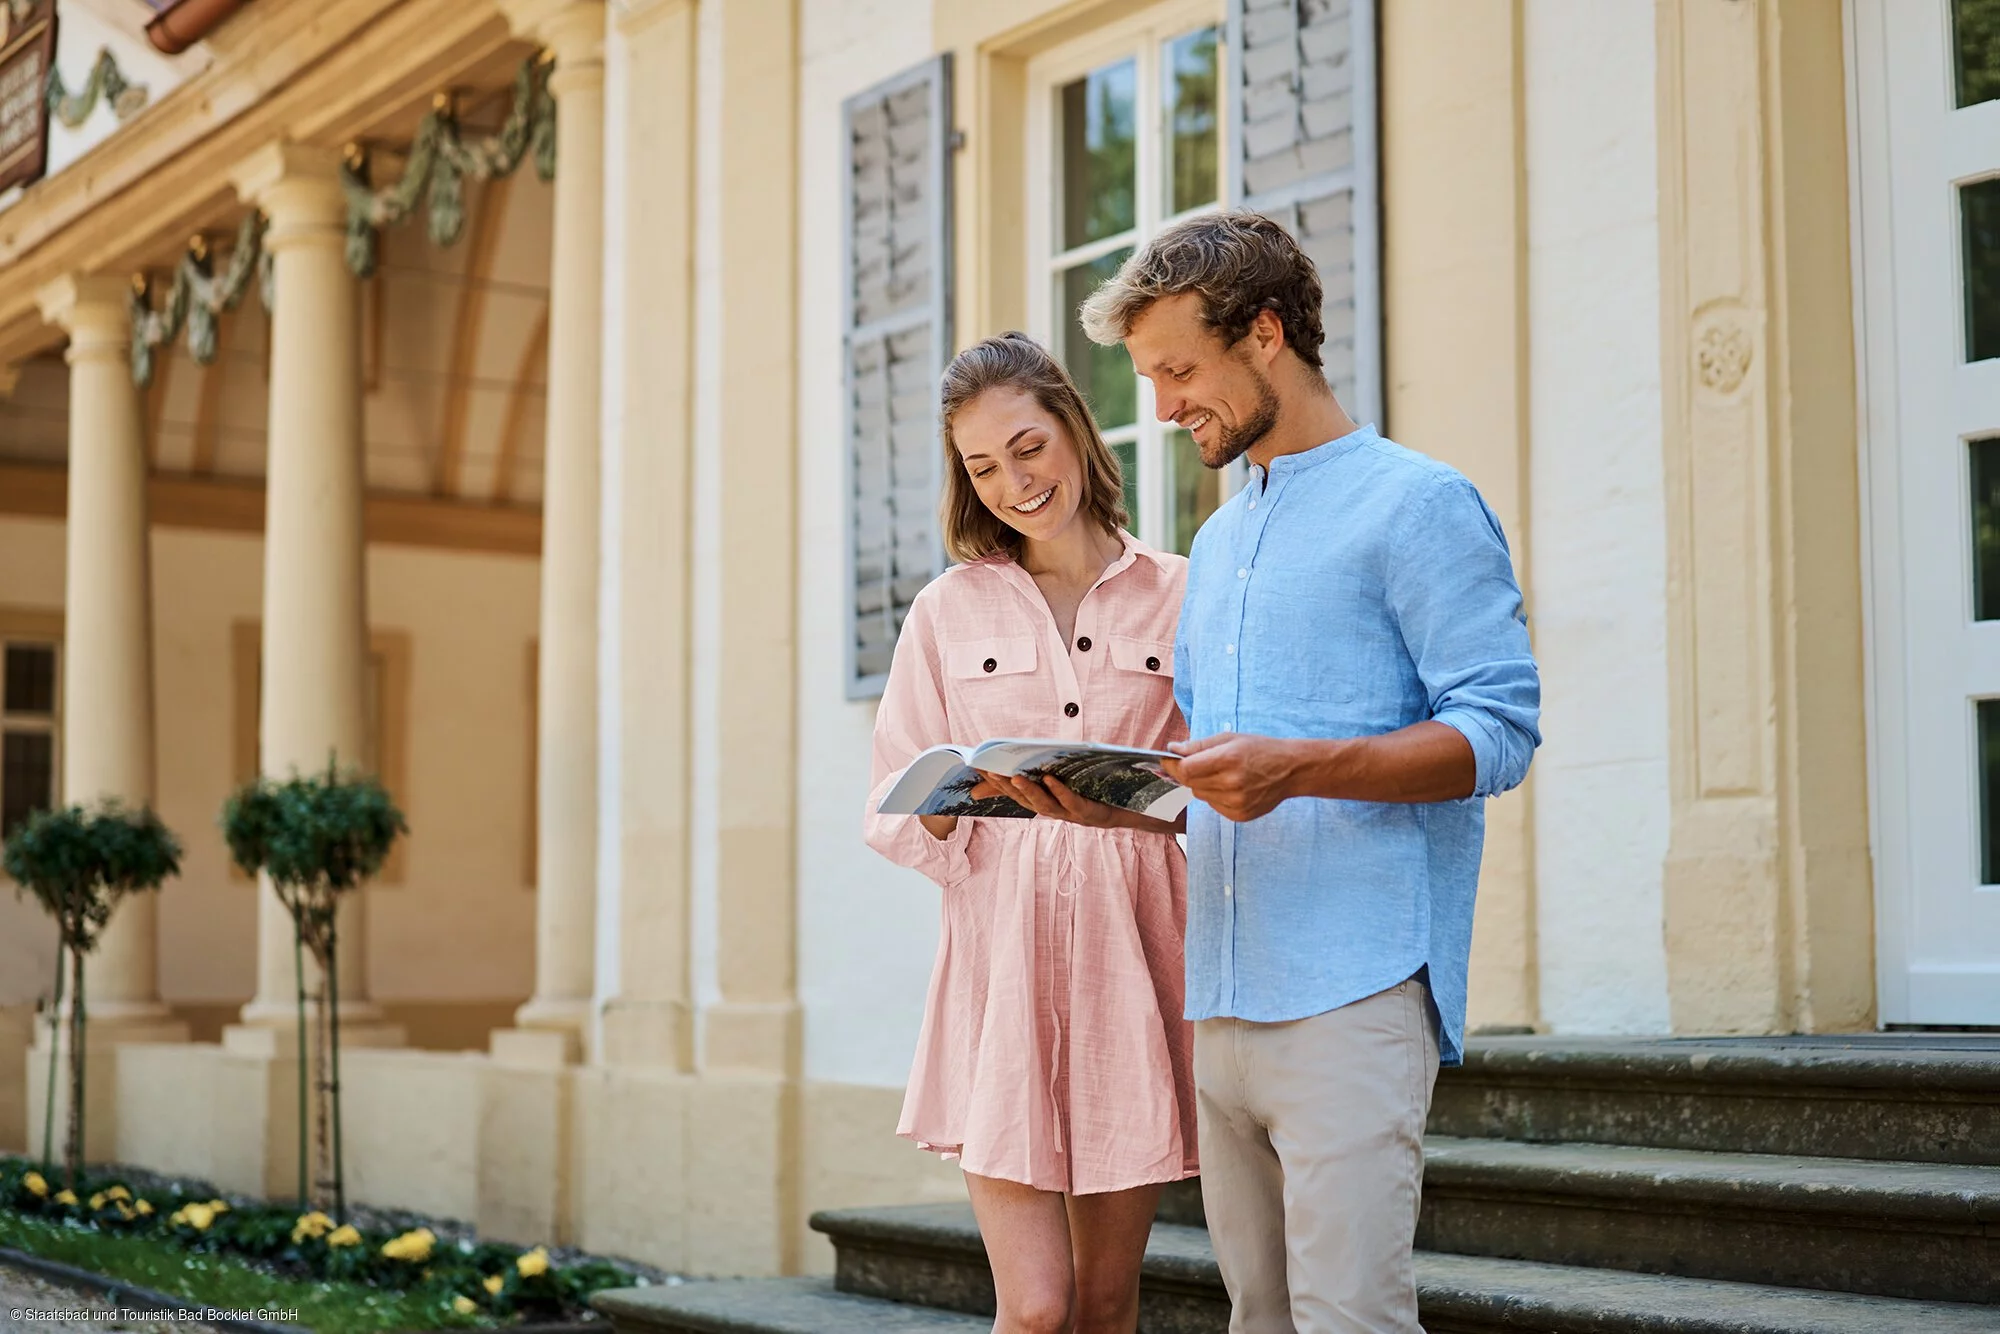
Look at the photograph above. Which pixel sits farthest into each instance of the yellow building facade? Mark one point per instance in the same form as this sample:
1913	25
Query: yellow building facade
588	530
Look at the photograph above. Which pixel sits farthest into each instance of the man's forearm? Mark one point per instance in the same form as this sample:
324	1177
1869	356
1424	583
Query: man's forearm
1427	761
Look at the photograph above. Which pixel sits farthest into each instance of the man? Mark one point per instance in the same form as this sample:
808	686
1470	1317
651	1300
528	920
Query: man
1354	664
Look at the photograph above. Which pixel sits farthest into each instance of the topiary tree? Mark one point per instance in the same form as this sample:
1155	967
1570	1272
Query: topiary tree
317	838
78	864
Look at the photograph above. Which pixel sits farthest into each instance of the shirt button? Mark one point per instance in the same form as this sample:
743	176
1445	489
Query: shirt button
1228	891
1152	664
1070	710
1083	644
989	664
1242	574
1253	504
1229	648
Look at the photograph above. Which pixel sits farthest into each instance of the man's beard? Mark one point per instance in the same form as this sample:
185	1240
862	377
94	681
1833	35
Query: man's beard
1232	443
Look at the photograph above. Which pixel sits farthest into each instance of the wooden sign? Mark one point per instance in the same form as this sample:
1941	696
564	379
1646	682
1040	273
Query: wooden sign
27	52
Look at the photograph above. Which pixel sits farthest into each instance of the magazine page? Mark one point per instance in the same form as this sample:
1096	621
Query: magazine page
937	783
1124	776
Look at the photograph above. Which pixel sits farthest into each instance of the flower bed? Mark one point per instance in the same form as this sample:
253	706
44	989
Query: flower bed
448	1282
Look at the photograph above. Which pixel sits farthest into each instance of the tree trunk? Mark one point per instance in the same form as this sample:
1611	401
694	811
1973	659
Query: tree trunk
322	1086
74	1155
55	1046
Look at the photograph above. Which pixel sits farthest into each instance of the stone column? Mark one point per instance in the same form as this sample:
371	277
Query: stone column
315	620
107	736
566	780
649	1020
1768	886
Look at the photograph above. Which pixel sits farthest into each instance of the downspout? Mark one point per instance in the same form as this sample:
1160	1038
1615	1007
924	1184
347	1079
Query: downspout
182	23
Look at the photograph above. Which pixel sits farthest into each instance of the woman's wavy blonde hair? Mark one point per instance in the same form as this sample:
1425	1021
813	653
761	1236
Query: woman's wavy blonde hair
1013	360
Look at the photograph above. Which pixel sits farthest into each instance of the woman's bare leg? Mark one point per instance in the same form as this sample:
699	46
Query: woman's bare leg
1108	1235
1027	1238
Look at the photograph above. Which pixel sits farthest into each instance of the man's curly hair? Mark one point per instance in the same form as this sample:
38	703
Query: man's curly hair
1240	263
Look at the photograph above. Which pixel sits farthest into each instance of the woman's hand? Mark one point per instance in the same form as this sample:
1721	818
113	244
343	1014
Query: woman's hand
1053	798
939	827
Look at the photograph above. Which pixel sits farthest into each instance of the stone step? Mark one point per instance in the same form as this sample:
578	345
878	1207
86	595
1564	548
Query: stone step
917	1256
771	1306
1915	1230
1889	1096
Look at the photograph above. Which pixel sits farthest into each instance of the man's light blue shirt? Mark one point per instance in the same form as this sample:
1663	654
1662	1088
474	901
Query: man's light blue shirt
1358	588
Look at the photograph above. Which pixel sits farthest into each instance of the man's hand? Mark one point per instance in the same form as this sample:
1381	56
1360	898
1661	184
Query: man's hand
1242	777
1053	798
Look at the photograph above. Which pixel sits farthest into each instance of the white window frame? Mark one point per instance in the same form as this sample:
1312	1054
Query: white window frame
1141	36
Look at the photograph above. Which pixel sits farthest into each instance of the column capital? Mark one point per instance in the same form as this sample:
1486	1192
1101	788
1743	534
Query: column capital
573	29
297	185
93	307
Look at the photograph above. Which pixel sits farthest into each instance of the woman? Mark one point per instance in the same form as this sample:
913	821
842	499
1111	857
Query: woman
1053	1061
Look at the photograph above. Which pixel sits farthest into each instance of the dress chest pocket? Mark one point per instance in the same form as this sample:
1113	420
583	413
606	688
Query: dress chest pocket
992	686
1143	657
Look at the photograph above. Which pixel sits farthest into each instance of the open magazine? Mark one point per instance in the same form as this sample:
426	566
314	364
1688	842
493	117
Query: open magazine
939	781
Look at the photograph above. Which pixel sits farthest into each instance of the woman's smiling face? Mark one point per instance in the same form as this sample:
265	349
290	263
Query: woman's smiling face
1022	462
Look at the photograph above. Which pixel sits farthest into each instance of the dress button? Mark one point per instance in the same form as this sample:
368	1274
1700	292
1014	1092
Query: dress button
1083	644
990	664
1152	664
1070	710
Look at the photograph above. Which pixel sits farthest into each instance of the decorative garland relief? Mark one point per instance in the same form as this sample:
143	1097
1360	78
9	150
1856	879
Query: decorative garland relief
440	160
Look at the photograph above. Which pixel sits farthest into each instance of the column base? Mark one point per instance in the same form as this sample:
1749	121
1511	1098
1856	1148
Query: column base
554	1012
753	1038
285	1014
272	1042
654	1034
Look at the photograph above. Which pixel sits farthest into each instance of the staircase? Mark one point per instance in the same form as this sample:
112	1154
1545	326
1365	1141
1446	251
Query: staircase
1734	1186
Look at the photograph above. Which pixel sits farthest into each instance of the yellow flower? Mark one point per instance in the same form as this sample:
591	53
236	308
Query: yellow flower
118	1193
496	1282
533	1262
463	1305
143	1208
37	1187
196	1216
97	1200
65	1197
311	1227
414	1247
219	1206
344	1235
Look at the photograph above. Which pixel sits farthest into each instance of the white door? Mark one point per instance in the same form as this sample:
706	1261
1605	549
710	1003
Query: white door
1927	137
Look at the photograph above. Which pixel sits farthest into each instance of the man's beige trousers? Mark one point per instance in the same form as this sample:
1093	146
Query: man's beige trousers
1312	1161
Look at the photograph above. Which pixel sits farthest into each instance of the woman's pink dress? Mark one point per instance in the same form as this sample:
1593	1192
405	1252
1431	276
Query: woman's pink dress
1053	1050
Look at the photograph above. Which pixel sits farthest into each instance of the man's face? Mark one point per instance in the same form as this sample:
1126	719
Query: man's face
1222	396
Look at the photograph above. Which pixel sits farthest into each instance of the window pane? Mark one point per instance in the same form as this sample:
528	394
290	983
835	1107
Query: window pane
1104	374
27	776
1980	205
1986	529
31	678
1193	490
1189	85
1098	146
1128	464
1989	791
1976	30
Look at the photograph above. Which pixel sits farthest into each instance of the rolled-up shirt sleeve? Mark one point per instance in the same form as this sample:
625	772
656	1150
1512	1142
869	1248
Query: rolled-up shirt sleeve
1450	582
911	719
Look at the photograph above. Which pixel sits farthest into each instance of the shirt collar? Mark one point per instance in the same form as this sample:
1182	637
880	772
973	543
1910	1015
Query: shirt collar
1318	454
1132	551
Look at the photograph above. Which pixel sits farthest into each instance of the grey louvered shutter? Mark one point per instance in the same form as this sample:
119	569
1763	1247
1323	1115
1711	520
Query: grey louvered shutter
896	141
1303	149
